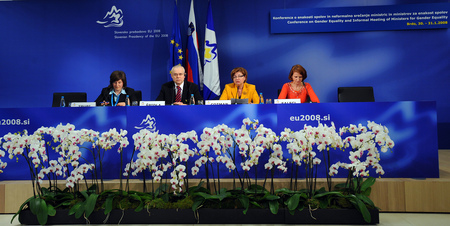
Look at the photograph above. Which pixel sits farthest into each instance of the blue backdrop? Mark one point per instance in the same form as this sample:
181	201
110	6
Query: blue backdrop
58	46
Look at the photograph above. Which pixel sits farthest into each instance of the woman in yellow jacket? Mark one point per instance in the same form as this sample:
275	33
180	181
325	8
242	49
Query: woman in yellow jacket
240	89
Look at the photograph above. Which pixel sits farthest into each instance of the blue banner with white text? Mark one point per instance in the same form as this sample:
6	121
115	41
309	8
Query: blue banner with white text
411	125
366	18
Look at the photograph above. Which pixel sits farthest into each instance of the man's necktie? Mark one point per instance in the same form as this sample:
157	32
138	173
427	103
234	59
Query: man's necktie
178	97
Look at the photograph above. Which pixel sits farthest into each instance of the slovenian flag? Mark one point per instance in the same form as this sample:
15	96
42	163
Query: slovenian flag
211	82
176	52
193	63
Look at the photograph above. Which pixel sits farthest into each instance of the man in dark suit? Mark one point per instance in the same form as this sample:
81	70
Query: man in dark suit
178	91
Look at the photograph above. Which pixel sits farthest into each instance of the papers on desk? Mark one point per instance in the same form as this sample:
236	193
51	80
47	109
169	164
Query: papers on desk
287	101
82	104
152	103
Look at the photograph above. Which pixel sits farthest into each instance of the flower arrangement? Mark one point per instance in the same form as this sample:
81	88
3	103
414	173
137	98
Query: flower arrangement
243	153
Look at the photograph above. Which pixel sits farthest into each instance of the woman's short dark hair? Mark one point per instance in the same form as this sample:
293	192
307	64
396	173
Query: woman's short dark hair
116	76
239	69
298	68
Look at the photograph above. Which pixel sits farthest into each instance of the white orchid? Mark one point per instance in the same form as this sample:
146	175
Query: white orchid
159	153
366	145
2	166
170	154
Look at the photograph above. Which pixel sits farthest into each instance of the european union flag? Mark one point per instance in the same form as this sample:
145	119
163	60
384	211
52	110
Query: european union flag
176	52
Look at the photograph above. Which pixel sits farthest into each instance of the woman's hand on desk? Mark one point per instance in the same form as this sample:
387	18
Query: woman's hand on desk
104	103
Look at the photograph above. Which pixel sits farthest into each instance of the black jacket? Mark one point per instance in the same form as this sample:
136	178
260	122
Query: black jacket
105	96
168	93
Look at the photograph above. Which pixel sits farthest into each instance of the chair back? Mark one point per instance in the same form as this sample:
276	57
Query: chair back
138	95
69	98
356	94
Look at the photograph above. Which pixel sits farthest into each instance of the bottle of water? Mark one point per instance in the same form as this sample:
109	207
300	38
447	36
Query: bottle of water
261	98
192	100
62	103
127	100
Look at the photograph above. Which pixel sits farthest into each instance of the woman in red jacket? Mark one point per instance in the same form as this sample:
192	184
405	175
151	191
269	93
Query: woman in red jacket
297	88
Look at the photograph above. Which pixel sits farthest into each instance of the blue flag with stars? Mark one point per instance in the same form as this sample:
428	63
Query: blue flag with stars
176	52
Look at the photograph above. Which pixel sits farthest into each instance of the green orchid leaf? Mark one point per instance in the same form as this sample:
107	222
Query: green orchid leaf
65	203
293	201
21	208
41	210
207	196
367	191
324	203
85	194
271	197
321	190
304	195
245	201
284	191
255	204
330	193
161	189
222	196
367	183
141	204
140	207
355	184
136	197
198	188
364	211
365	199
45	192
51	210
90	204
196	205
255	189
74	208
109	204
92	188
274	205
362	208
34	204
301	207
246	205
80	210
165	197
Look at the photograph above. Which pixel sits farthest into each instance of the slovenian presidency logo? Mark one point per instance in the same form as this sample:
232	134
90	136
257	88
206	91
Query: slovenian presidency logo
210	51
113	18
148	123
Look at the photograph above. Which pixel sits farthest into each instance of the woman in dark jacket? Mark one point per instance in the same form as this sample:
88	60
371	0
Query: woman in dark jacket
117	91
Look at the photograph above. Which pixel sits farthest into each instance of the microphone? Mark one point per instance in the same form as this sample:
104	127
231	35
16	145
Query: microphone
308	100
237	95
